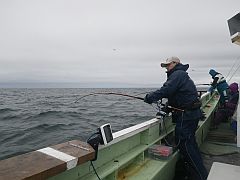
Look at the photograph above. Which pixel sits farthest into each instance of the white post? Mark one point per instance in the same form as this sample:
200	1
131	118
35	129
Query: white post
238	124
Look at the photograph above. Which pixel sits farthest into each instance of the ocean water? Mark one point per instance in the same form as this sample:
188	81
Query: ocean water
31	119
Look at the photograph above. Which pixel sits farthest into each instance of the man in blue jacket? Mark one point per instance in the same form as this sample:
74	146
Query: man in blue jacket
220	83
182	94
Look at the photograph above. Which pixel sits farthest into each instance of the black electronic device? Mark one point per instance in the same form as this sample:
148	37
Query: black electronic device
102	136
106	133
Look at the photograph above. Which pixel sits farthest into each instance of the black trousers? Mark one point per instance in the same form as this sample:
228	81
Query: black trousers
186	141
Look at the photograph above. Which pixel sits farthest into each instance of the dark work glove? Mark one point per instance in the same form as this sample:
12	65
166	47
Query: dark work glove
147	99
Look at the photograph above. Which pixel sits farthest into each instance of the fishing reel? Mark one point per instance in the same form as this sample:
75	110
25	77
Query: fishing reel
162	108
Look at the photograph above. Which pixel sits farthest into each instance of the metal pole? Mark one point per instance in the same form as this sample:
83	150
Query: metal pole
238	124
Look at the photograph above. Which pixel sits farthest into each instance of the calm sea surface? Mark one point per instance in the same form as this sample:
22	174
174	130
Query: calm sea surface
31	119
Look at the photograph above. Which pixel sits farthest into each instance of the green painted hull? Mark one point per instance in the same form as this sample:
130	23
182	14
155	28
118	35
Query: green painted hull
127	156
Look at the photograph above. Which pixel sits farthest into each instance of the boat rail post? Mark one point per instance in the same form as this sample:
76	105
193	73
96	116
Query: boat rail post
238	125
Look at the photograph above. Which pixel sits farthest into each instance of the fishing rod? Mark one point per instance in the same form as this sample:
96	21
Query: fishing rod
110	93
126	95
204	84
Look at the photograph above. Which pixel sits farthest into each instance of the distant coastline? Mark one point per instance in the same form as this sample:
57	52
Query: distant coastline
76	85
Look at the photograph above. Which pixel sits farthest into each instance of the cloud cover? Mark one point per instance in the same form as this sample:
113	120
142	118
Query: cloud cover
113	43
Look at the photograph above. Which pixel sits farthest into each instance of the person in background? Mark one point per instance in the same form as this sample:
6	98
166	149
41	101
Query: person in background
232	103
234	93
182	95
220	83
224	113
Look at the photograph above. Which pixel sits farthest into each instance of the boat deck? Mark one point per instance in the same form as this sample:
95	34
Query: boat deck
220	146
127	156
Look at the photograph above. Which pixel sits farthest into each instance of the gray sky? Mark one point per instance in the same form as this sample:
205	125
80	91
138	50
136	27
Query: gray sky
110	43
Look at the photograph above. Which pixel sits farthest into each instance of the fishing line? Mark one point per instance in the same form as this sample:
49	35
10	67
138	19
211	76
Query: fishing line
232	67
229	72
235	71
110	93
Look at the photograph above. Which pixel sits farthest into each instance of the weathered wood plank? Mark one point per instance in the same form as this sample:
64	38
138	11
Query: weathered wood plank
37	165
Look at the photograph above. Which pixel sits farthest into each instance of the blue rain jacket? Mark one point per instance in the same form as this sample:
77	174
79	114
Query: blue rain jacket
220	83
180	91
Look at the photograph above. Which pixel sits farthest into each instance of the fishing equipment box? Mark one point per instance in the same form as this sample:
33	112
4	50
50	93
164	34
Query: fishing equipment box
160	152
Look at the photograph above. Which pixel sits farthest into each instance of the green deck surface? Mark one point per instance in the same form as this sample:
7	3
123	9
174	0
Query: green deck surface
151	169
